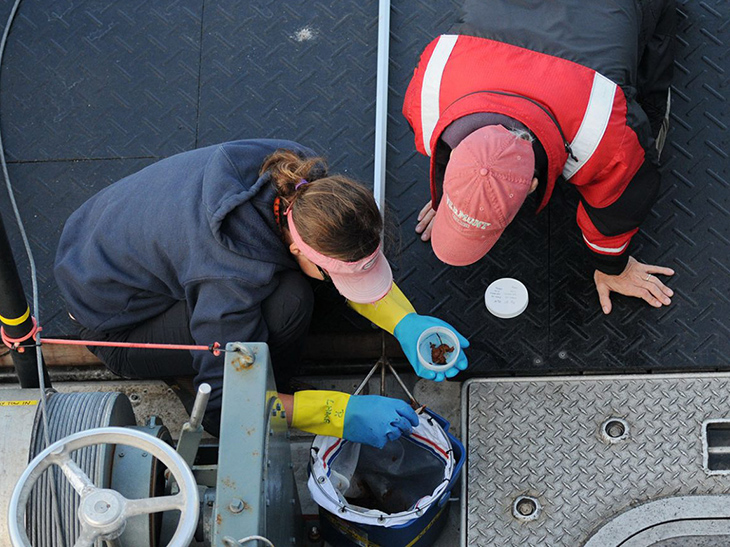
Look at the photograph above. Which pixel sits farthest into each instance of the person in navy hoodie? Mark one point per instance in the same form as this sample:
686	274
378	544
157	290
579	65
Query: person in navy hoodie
216	244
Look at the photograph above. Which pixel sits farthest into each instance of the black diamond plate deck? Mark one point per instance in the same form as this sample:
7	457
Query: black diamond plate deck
99	79
91	91
47	193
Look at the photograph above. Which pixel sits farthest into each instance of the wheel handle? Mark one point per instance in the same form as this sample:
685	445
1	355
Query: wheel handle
103	513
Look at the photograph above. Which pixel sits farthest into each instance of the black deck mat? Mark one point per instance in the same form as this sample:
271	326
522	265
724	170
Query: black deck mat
92	91
47	193
99	79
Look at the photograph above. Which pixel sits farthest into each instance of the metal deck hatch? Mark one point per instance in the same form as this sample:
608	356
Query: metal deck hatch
623	458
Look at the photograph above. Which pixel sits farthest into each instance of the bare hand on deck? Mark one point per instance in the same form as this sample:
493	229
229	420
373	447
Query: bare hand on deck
638	280
425	221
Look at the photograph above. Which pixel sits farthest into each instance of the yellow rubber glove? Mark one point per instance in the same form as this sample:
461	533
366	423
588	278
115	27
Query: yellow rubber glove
386	312
395	314
320	412
368	419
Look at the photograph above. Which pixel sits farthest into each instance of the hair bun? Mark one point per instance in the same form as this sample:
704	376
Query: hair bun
318	171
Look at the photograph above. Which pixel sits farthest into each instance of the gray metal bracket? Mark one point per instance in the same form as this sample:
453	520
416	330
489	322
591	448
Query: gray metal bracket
255	489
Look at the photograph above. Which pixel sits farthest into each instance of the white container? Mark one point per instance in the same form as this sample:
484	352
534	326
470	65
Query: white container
437	336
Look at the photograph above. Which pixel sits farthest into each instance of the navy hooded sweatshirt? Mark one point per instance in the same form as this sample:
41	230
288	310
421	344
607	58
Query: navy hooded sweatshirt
199	227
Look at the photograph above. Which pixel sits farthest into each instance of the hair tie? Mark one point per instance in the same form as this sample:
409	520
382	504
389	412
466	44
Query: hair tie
301	182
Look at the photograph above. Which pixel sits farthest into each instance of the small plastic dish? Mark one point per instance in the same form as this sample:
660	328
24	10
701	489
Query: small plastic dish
437	336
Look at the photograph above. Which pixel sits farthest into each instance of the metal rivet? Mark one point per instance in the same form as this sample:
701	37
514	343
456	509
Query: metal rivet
121	454
526	508
614	430
314	534
563	354
321	479
236	505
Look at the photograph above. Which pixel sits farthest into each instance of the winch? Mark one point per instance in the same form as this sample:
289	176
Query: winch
104	478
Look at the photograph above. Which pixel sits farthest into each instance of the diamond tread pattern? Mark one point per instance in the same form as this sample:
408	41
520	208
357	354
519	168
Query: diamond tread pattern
542	438
92	91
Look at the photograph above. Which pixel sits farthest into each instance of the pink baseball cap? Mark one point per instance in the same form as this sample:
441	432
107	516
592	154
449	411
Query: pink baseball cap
486	182
364	282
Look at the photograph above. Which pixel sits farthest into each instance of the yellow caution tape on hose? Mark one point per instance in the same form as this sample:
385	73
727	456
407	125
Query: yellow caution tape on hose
17	320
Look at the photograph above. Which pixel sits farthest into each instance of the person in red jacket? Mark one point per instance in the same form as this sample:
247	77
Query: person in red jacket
518	96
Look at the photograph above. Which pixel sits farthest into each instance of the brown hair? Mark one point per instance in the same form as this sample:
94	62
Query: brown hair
335	215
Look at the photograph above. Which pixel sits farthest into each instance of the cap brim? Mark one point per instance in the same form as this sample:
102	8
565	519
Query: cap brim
452	246
368	286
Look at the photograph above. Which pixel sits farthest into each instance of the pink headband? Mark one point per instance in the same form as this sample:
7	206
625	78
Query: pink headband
365	281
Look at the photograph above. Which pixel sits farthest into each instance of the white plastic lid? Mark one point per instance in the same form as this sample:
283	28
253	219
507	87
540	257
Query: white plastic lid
506	298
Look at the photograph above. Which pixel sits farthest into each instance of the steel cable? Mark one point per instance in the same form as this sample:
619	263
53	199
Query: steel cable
34	278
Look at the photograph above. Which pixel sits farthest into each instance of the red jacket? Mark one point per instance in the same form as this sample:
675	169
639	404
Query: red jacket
567	106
